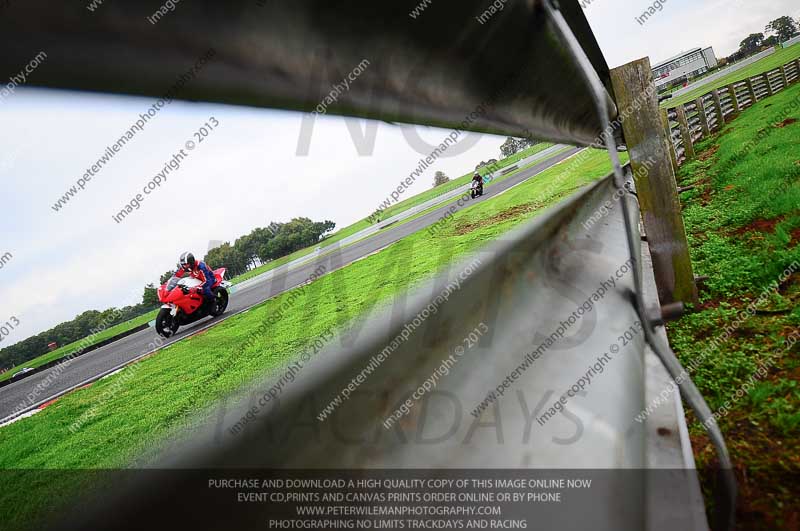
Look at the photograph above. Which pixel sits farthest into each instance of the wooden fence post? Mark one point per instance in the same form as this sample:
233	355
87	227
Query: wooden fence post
686	132
785	79
751	90
734	99
655	181
701	112
670	146
770	92
718	108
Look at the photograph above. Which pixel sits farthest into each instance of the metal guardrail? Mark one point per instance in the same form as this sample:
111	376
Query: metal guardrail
526	287
443	69
439	71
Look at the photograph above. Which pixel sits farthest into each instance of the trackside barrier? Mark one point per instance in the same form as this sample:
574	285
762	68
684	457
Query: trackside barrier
527	290
533	286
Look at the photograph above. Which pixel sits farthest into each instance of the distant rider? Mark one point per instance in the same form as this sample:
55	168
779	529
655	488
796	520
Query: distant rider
187	265
478	179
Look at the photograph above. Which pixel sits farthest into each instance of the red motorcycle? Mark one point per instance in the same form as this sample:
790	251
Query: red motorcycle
184	302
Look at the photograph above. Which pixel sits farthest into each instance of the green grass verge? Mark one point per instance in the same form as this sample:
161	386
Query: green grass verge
66	350
402	206
777	59
420	198
743	225
623	157
161	395
337	236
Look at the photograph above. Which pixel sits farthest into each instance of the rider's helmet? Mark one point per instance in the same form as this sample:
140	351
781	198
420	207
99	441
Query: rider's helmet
187	261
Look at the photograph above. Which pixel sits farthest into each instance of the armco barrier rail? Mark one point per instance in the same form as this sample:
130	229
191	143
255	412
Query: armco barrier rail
535	70
690	122
525	290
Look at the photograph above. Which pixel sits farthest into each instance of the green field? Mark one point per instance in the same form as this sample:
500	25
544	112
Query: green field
623	157
389	212
777	59
457	182
743	224
162	394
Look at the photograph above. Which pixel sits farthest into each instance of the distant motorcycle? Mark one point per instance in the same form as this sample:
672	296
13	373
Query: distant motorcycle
476	189
184	302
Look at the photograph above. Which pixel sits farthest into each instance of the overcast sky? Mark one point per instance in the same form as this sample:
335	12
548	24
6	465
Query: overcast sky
245	174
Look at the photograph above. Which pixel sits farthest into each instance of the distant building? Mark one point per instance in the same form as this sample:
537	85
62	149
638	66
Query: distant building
683	67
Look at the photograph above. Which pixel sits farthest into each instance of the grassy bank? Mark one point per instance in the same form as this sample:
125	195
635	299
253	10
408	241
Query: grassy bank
337	236
402	206
771	62
161	394
743	225
458	182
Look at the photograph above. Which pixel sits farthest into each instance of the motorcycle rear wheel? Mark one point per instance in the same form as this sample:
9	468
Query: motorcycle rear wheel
165	323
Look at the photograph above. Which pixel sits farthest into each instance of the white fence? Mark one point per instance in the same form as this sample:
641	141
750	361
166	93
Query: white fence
793	40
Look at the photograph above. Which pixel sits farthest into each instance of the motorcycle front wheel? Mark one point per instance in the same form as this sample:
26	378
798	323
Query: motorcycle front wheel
220	303
165	323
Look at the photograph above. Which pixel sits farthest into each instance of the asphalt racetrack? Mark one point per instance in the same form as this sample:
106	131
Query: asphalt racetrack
32	392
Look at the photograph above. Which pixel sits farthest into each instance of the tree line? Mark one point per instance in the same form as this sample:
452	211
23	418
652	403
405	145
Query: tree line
65	333
779	30
260	246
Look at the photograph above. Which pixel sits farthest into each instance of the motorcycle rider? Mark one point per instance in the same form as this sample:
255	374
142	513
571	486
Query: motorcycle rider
188	265
479	180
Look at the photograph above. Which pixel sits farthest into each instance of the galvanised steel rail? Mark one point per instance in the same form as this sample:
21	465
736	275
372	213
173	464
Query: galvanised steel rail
443	68
524	289
533	71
